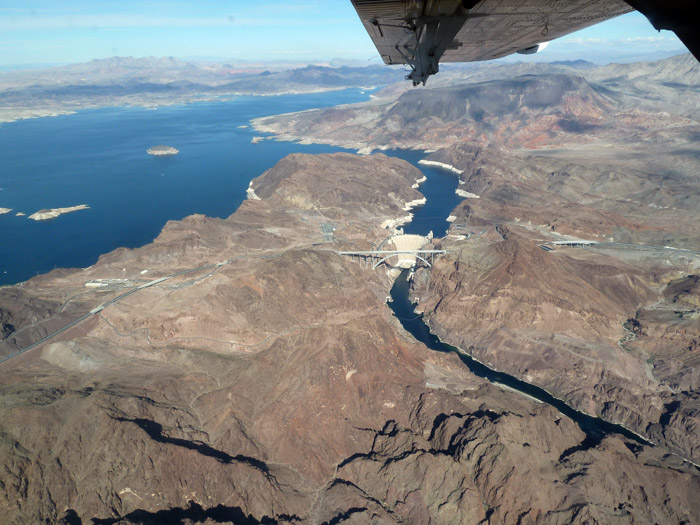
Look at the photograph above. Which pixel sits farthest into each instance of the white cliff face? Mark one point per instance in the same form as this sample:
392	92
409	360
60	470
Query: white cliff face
466	194
412	204
419	182
250	193
442	165
392	224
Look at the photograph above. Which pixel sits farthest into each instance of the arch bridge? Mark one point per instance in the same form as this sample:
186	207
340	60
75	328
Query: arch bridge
377	257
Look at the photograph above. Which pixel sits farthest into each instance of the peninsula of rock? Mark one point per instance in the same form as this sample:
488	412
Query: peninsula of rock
52	213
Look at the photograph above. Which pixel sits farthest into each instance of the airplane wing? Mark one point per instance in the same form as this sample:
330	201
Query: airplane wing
421	33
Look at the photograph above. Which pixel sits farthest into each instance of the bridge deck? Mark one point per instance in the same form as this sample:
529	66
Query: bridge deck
392	252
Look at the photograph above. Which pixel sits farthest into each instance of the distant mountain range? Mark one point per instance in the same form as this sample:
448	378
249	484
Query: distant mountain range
160	81
155	81
152	70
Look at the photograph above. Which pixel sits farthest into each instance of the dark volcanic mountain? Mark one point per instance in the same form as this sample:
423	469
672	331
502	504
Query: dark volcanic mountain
569	103
523	111
476	102
528	111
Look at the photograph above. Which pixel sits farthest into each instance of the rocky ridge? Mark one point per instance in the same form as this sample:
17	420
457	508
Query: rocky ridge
557	106
575	321
609	156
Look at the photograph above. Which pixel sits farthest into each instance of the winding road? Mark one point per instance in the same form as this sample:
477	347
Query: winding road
101	307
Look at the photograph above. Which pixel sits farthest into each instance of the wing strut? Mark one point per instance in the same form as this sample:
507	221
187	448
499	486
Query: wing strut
427	39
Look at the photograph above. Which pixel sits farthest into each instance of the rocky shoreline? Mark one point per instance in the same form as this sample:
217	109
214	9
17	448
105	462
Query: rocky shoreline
52	213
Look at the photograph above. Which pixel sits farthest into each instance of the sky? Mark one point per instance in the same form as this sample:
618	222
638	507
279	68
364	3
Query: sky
49	32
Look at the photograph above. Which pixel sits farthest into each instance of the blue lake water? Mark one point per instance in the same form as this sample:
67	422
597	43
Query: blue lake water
439	190
98	157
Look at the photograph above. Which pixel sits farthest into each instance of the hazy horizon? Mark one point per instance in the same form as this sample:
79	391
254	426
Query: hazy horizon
338	62
42	34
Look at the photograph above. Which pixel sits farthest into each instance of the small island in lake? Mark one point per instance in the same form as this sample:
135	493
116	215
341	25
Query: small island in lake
44	215
5	210
162	150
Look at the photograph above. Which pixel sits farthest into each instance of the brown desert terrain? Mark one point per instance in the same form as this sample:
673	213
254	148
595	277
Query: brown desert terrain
279	388
254	375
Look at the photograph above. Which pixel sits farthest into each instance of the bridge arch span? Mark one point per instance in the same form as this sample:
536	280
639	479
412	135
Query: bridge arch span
395	254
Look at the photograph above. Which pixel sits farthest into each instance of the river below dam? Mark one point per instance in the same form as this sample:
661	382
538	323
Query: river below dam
404	310
440	201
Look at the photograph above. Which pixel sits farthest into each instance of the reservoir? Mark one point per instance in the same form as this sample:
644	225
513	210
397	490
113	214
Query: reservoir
440	197
97	157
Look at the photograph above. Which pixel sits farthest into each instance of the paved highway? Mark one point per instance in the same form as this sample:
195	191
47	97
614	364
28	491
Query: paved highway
101	307
392	252
622	246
